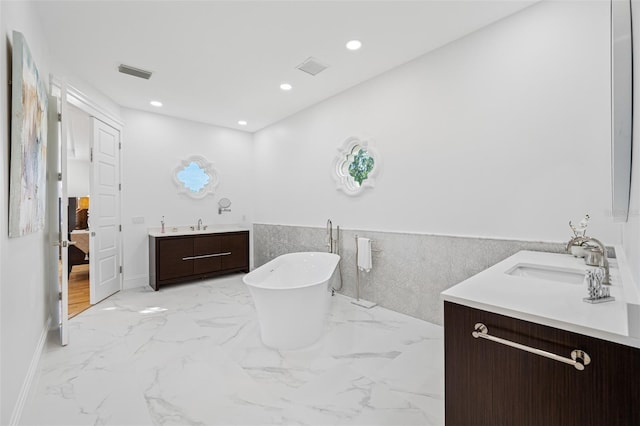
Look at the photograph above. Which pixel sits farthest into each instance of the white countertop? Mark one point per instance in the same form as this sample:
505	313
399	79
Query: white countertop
551	303
175	231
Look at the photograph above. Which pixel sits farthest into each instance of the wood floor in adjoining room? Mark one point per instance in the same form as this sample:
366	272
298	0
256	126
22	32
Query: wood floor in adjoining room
78	290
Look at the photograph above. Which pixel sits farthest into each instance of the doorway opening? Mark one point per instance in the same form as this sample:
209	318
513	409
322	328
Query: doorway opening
78	212
85	179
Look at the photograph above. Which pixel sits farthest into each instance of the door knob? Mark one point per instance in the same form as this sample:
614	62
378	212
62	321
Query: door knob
63	243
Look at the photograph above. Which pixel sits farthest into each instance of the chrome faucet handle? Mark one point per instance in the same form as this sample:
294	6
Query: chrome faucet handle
593	256
604	262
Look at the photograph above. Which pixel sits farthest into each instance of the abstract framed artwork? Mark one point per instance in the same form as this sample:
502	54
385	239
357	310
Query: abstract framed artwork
27	196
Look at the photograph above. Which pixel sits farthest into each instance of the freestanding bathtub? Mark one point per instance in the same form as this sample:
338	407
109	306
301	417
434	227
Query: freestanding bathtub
291	295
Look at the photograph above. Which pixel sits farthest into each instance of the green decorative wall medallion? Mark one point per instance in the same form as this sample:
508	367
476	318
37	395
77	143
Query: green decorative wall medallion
361	166
195	177
356	166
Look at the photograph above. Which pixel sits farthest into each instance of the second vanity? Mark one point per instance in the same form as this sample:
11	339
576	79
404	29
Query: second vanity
185	254
523	348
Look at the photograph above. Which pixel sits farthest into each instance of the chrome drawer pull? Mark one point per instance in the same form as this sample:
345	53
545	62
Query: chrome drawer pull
578	358
204	256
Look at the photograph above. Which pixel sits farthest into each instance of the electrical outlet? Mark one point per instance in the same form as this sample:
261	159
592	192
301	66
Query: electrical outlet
137	220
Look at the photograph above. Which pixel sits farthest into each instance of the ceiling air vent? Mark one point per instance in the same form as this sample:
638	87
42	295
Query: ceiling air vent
312	66
136	72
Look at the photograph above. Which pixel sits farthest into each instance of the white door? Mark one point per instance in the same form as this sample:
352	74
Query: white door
104	211
58	202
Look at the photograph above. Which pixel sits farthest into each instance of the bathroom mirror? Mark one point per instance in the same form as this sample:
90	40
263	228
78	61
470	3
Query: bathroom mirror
223	205
356	166
195	177
621	108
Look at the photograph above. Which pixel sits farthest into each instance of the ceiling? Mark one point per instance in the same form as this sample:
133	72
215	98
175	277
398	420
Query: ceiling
219	62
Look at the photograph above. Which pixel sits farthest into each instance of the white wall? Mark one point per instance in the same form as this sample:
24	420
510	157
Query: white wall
27	290
504	133
23	292
153	146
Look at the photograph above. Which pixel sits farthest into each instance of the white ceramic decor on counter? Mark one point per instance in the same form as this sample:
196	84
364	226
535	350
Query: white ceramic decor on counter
545	288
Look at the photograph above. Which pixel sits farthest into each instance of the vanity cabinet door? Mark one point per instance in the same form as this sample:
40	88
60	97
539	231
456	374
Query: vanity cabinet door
488	383
237	244
206	253
173	258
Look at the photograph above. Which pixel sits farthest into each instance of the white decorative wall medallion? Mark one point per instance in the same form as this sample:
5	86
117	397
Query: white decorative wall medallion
196	177
356	166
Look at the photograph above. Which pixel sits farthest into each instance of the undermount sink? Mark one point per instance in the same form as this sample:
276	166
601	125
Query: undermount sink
549	273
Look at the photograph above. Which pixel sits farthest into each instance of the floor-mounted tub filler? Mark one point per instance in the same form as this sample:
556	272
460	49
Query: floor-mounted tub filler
291	295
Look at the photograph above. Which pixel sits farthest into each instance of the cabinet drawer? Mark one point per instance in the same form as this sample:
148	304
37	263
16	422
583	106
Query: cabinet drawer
170	255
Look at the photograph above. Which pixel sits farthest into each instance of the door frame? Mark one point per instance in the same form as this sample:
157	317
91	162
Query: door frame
85	103
58	256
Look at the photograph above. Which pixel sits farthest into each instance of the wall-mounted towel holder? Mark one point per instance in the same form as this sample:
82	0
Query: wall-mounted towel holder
358	301
371	241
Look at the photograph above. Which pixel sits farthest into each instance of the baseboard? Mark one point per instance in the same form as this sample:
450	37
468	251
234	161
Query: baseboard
31	373
135	282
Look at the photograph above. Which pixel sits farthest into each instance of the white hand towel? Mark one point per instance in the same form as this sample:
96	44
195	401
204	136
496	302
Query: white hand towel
364	254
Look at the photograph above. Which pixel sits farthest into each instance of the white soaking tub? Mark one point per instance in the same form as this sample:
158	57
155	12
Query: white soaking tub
291	295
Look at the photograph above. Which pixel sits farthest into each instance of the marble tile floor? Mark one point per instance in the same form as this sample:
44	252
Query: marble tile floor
192	355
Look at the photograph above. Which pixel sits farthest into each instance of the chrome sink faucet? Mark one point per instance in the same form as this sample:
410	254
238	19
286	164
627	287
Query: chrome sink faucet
199	224
604	262
576	242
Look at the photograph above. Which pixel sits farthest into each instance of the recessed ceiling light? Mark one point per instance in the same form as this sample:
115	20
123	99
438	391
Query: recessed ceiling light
242	122
354	45
286	86
156	103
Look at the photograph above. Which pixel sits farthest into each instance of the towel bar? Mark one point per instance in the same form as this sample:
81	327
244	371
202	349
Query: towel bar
371	242
578	358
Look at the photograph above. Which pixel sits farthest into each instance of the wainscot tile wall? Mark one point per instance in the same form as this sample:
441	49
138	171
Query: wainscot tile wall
409	270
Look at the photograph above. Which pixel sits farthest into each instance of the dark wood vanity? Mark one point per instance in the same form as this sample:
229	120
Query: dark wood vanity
180	258
488	383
